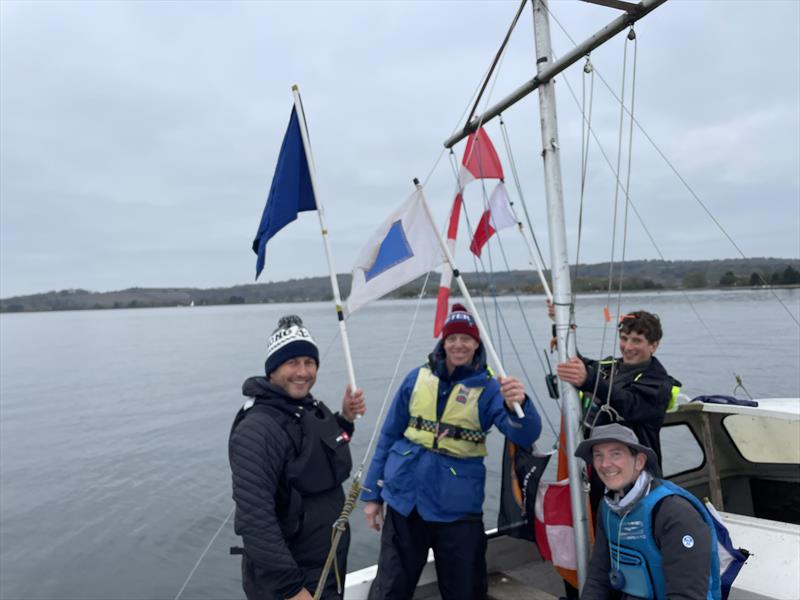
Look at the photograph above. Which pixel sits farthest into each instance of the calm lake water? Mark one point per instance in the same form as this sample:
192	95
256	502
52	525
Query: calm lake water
114	424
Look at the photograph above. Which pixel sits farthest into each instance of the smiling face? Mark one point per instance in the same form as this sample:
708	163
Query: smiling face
296	376
635	348
617	465
459	350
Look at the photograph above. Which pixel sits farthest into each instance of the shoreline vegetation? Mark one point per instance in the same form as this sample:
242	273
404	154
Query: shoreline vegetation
638	275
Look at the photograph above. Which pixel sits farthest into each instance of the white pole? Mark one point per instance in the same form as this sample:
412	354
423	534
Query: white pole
571	406
337	298
487	342
533	257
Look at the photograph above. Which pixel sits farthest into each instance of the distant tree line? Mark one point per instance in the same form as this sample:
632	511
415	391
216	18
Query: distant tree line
633	275
788	276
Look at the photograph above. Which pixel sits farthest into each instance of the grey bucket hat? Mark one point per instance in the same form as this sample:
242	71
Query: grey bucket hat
616	433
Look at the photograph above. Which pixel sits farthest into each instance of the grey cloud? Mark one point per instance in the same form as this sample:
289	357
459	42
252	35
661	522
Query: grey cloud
139	139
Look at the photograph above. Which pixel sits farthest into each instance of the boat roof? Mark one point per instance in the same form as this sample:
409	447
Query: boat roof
781	408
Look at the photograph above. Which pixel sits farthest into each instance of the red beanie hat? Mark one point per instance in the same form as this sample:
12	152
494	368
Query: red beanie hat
460	321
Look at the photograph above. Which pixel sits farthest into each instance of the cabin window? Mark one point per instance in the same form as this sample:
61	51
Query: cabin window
680	450
764	439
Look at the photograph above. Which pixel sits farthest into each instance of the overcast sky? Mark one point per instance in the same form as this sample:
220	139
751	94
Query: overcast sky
138	139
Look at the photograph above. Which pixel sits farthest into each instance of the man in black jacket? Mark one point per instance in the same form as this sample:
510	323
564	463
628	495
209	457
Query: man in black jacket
289	456
636	389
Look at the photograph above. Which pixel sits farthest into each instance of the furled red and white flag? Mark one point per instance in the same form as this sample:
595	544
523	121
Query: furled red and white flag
497	216
443	298
480	161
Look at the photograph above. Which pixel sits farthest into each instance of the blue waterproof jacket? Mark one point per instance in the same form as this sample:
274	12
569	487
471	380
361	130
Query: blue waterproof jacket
442	488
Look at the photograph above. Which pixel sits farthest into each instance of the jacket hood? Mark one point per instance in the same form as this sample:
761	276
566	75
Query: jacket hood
260	387
437	363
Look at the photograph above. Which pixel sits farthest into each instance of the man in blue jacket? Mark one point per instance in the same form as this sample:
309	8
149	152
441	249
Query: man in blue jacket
428	466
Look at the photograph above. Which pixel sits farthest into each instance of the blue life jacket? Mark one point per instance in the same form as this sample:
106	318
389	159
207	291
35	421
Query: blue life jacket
632	544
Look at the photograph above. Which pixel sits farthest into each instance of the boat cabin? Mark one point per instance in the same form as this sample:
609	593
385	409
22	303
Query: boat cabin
746	461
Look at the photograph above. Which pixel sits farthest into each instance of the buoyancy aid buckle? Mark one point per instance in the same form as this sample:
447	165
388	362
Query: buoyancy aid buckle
441	429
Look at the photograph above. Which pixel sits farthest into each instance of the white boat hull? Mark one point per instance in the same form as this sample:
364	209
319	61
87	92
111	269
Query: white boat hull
773	569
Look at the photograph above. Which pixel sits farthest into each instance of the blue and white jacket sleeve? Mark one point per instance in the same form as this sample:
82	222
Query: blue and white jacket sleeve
393	427
522	431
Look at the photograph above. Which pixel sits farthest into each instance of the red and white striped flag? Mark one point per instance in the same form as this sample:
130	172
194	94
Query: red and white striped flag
480	161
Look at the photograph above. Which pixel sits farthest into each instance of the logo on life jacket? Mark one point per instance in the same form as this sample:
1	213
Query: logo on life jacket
343	437
461	397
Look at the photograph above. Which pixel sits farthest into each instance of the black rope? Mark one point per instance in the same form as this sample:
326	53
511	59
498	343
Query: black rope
494	62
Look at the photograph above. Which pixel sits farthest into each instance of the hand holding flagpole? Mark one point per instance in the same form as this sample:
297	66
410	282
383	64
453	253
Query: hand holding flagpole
468	299
298	105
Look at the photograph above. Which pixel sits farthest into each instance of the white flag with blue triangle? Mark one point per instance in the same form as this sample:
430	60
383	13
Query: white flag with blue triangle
403	248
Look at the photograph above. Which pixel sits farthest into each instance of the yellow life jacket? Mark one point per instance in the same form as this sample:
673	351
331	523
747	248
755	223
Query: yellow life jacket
459	432
673	397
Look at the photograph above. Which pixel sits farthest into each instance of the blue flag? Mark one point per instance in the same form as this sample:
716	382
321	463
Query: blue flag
290	193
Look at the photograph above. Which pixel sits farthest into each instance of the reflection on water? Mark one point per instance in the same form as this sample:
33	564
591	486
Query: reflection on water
114	424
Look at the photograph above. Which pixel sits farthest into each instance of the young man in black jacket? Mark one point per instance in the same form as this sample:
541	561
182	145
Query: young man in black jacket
636	387
289	456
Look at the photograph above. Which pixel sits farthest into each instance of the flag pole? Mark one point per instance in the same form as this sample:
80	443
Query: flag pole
355	486
533	258
337	298
487	342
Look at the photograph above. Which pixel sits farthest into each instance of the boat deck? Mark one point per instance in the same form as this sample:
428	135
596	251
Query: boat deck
524	576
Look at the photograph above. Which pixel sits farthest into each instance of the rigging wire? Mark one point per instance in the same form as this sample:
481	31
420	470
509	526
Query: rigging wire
479	89
390	385
681	179
586	125
631	38
497	59
709	332
613	238
233	508
203	553
515	174
480	269
606	406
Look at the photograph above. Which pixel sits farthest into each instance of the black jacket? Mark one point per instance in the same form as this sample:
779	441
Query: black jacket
639	394
278	563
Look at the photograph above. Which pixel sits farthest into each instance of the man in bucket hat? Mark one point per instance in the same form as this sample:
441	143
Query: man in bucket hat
289	456
654	539
428	466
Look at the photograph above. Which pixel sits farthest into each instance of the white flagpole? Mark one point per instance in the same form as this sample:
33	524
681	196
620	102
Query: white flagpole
337	298
533	257
355	486
487	342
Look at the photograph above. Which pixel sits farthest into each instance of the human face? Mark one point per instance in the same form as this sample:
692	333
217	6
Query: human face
459	350
296	376
616	465
635	348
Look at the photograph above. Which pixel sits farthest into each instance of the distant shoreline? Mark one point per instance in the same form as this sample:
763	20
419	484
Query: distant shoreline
428	296
643	275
